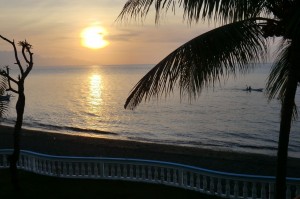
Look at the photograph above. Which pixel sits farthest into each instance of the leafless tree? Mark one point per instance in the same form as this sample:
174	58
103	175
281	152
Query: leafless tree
16	85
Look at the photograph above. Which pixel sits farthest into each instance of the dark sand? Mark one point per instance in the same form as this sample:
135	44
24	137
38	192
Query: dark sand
61	144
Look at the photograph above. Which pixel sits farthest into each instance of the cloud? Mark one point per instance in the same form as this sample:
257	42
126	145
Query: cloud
124	35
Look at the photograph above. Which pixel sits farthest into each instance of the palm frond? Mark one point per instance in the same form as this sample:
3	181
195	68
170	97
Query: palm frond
277	81
194	10
3	104
202	61
3	84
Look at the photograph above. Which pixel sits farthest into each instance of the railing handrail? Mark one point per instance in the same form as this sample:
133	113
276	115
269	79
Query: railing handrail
64	166
145	161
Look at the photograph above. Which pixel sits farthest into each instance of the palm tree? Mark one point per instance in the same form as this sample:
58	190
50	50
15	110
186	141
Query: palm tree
235	46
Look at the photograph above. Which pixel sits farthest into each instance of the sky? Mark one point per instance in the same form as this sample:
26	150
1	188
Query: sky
54	28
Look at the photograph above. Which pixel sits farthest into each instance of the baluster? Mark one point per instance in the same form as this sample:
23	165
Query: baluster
53	168
175	179
143	172
33	164
263	190
204	184
102	170
245	189
36	165
71	171
162	175
26	163
40	163
89	168
219	187
271	190
227	189
155	174
288	192
184	183
180	177
96	171
212	186
29	164
76	169
106	170
45	166
59	168
149	173
236	189
254	191
64	169
168	175
137	171
131	171
39	167
192	180
82	171
49	167
112	170
119	170
198	181
125	171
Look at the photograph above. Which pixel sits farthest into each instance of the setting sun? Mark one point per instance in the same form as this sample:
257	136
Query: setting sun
93	37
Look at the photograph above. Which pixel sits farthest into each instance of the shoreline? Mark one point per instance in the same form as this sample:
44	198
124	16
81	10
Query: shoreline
74	145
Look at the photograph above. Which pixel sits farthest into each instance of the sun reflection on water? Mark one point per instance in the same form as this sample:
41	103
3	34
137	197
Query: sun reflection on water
95	90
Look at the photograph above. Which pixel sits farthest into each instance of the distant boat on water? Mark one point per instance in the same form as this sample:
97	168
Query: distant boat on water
5	97
249	89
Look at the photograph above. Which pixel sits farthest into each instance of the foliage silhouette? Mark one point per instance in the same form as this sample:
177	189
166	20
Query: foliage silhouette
239	43
3	104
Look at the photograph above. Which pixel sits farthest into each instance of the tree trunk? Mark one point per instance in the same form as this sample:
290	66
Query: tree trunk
286	120
16	137
285	126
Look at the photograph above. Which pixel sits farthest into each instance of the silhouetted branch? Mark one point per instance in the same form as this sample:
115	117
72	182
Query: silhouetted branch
26	48
15	52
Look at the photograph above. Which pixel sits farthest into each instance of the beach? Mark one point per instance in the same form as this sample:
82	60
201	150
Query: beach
67	145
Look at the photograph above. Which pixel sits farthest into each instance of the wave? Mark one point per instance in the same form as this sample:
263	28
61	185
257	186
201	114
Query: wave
51	127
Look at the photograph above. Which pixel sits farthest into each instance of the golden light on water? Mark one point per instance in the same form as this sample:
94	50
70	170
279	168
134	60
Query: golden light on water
93	37
95	90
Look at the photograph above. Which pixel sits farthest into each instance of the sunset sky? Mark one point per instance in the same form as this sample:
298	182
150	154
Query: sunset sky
55	29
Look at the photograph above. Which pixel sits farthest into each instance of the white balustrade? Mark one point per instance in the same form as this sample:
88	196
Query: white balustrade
226	185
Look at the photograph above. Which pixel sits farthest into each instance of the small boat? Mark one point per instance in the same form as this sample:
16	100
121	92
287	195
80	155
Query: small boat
5	97
254	89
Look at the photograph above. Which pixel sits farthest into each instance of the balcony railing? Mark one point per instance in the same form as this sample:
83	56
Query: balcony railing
223	184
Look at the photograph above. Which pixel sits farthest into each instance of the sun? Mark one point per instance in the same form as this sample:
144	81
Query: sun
93	37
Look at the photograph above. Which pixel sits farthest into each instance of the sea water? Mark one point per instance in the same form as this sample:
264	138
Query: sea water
88	100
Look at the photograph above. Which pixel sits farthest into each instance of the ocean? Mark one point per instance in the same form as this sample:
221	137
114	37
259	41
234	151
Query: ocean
89	100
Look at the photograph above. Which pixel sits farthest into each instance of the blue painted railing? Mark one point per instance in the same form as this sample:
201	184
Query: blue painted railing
223	184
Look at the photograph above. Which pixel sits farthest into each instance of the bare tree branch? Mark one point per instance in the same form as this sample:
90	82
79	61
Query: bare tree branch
15	52
26	49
